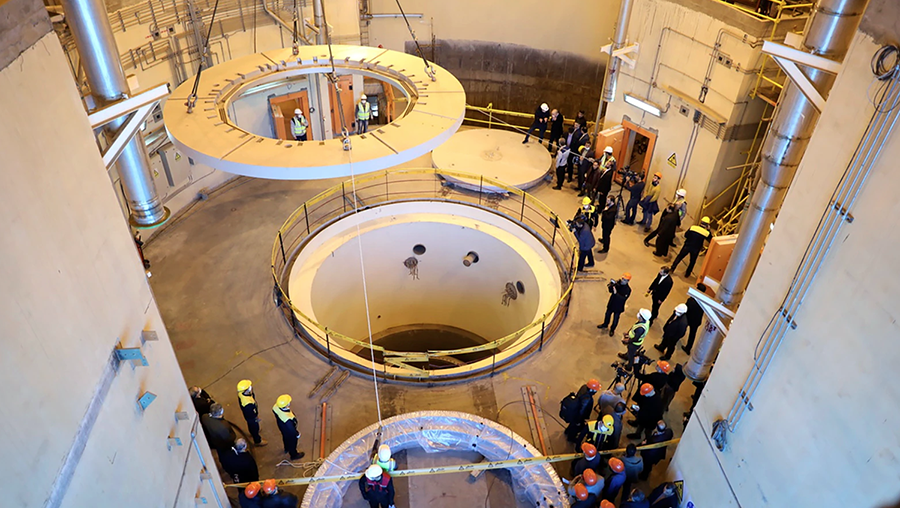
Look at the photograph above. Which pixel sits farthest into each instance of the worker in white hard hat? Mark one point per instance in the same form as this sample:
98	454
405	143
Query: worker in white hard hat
681	204
541	119
634	338
299	125
377	487
673	331
363	114
383	458
287	424
695	240
247	401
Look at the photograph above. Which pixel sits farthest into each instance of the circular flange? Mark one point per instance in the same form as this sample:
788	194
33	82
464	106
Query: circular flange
207	135
494	153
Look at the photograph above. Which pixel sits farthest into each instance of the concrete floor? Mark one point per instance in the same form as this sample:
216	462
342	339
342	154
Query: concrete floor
212	279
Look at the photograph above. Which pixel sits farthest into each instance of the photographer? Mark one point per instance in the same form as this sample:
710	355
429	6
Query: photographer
582	230
619	291
635	185
657	379
607	222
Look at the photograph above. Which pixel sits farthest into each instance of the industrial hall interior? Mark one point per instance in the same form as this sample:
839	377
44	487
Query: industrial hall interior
450	254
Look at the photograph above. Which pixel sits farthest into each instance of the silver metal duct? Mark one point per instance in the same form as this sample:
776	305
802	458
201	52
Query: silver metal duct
830	33
319	20
612	66
89	22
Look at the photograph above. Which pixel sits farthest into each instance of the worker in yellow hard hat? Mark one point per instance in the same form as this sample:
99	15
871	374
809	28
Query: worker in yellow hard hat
287	424
599	432
250	408
695	240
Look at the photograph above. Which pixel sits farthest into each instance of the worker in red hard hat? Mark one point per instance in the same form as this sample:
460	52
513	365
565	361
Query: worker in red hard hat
377	487
591	480
648	411
576	408
583	498
276	498
615	480
249	496
591	460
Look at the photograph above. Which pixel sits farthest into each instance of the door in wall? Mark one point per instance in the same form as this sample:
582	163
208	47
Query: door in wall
283	107
345	83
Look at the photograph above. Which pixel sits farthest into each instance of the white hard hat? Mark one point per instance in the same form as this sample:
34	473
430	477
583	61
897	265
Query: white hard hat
374	472
680	309
645	314
545	107
681	192
607	149
298	112
384	453
362	97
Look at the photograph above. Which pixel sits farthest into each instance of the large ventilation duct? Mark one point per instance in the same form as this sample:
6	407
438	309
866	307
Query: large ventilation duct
829	35
93	35
612	66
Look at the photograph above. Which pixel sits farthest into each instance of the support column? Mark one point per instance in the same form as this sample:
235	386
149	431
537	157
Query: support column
89	22
829	35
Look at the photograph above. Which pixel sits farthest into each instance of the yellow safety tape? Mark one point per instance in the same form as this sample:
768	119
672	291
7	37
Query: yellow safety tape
457	468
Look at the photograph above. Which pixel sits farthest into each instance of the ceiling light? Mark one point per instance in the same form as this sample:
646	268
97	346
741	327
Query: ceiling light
643	104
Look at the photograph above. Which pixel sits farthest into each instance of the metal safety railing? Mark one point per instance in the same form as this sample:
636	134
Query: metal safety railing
500	118
403	185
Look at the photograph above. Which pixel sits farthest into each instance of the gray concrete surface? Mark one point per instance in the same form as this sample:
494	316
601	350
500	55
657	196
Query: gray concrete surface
212	279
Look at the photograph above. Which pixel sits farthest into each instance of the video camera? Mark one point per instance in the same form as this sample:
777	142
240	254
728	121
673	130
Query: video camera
628	174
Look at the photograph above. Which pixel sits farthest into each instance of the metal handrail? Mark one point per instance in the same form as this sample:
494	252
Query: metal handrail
490	111
385	187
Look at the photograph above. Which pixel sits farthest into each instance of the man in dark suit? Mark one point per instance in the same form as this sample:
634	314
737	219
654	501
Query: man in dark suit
659	289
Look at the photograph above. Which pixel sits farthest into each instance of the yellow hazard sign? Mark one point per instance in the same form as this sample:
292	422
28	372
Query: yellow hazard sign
672	161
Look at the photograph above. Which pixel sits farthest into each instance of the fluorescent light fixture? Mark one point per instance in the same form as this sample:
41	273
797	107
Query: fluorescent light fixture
643	104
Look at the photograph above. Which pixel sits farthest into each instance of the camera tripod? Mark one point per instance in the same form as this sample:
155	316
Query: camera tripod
620	201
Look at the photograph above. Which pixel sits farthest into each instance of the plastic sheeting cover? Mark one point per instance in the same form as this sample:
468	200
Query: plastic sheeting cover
434	432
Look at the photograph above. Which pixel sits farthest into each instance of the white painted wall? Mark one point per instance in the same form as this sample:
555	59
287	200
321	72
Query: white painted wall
823	430
678	58
326	278
568	25
73	287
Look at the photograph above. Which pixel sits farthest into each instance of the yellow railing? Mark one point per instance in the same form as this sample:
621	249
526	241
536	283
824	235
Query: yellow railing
421	184
485	116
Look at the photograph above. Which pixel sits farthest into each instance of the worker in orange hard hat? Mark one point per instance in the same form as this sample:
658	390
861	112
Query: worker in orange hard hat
249	496
583	498
276	498
648	411
619	291
576	408
650	201
615	480
591	460
591	480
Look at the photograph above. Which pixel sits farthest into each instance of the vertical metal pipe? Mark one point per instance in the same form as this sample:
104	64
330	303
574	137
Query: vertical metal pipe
96	45
319	20
612	65
830	33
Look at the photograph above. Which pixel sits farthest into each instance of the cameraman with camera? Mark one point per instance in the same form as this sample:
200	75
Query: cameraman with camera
635	185
619	291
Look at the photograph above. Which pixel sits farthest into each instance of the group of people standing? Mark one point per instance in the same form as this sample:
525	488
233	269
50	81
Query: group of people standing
362	113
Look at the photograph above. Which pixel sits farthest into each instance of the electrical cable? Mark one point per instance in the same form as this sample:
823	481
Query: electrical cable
192	98
429	69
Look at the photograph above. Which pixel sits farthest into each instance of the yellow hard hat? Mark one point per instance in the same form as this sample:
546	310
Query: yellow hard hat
704	220
586	201
608	421
283	401
244	385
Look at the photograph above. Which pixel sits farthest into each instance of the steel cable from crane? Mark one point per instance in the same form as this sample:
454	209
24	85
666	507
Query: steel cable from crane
362	265
204	51
429	69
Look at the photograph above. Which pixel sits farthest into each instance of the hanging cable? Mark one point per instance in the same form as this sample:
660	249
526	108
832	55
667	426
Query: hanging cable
295	46
204	53
345	136
429	69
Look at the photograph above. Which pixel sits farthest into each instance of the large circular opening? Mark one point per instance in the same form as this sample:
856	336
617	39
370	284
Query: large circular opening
443	315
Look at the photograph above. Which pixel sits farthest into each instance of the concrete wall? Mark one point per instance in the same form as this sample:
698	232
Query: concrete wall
823	430
676	46
74	288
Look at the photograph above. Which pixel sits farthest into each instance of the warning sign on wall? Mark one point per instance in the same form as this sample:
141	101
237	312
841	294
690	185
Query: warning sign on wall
672	161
